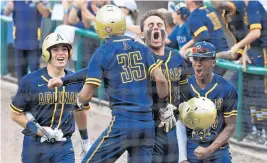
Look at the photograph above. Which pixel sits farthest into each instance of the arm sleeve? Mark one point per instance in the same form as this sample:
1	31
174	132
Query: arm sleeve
182	140
230	103
95	68
77	77
21	99
254	15
198	29
79	15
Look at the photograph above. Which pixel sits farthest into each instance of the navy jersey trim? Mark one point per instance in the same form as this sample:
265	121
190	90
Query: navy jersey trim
199	30
229	114
15	109
55	108
154	66
103	139
255	26
93	81
168	76
62	106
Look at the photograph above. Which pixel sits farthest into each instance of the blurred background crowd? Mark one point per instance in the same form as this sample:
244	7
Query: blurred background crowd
32	21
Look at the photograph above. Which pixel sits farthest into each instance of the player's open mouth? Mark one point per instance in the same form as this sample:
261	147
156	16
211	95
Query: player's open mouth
60	59
156	37
199	72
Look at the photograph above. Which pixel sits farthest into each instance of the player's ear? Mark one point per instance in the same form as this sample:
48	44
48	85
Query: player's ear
142	35
214	63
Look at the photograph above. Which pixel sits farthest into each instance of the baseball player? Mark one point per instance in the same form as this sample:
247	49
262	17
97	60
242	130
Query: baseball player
53	109
172	65
210	145
254	19
205	25
124	66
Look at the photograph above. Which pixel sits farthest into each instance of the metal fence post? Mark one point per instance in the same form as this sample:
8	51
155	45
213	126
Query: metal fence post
79	53
239	128
3	48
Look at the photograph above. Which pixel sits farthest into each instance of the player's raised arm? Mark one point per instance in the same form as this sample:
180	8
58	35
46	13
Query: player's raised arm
77	77
161	83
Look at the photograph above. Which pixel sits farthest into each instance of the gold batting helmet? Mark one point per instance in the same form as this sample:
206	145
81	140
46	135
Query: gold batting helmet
198	113
110	20
51	40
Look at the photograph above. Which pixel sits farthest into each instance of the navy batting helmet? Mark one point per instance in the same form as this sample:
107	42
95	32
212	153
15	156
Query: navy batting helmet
181	9
203	49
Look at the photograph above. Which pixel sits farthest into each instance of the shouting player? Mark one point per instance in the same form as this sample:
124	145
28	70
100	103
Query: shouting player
125	67
153	33
210	145
53	109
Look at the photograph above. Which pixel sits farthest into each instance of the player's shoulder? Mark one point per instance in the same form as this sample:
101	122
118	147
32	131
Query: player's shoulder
31	77
175	53
225	84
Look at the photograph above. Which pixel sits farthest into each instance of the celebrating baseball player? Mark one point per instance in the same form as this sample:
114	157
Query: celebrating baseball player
52	109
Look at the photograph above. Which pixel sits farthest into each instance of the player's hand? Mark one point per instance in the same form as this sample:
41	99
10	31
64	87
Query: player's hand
56	82
202	152
66	3
79	3
167	119
245	59
86	145
233	50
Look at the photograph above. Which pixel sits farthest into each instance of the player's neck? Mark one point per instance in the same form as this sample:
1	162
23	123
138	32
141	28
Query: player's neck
159	51
55	72
203	83
180	23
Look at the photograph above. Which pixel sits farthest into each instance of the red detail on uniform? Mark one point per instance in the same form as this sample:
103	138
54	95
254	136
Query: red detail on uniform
108	29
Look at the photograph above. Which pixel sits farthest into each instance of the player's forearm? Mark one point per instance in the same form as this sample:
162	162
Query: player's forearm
9	8
76	77
81	119
73	16
188	45
20	119
182	140
223	137
45	12
251	36
161	83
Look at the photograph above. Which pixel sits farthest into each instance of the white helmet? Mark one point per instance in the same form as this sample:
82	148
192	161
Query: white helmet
51	40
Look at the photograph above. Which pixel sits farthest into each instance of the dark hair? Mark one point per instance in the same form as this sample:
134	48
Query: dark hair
169	19
199	2
151	13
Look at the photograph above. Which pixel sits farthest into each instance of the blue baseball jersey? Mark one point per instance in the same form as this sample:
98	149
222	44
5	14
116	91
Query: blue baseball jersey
224	96
50	107
27	22
254	16
205	25
124	66
172	66
181	35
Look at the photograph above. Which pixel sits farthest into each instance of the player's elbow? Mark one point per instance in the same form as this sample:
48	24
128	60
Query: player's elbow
14	116
256	33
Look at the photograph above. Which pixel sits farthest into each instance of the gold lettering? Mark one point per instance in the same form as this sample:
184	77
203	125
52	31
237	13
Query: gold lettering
41	99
